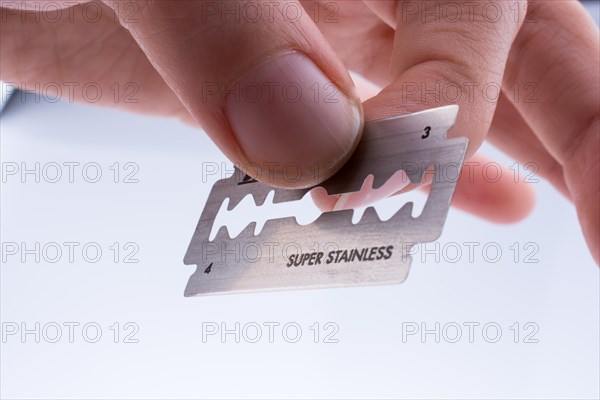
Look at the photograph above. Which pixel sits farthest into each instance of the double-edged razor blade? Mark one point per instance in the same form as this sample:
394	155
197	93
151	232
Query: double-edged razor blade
333	251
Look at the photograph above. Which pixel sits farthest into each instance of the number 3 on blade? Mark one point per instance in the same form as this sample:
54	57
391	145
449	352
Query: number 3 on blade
427	131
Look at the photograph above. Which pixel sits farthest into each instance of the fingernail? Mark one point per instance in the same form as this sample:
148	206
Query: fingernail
341	202
294	126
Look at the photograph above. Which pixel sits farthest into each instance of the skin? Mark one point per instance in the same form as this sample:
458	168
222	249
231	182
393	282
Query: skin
556	48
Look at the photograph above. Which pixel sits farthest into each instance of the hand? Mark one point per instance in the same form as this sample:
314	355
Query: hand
264	81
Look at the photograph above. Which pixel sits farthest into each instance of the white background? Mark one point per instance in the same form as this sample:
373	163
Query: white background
559	293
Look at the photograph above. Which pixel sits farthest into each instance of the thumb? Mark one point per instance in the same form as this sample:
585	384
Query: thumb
259	78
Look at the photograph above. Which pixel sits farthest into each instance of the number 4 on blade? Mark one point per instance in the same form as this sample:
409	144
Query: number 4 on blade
369	252
207	270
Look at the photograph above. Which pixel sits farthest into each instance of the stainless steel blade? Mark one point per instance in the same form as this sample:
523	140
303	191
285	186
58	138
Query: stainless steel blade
332	251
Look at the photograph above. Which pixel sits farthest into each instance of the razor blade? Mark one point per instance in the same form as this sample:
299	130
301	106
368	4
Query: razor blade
333	251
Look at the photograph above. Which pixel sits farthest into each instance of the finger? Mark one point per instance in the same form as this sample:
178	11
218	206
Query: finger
84	55
260	79
443	57
558	52
423	57
491	191
360	38
511	134
486	189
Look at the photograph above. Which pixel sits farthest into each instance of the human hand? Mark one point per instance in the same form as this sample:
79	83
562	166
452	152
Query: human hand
235	70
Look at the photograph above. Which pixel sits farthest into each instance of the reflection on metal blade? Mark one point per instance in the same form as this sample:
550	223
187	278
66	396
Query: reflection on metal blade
332	251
